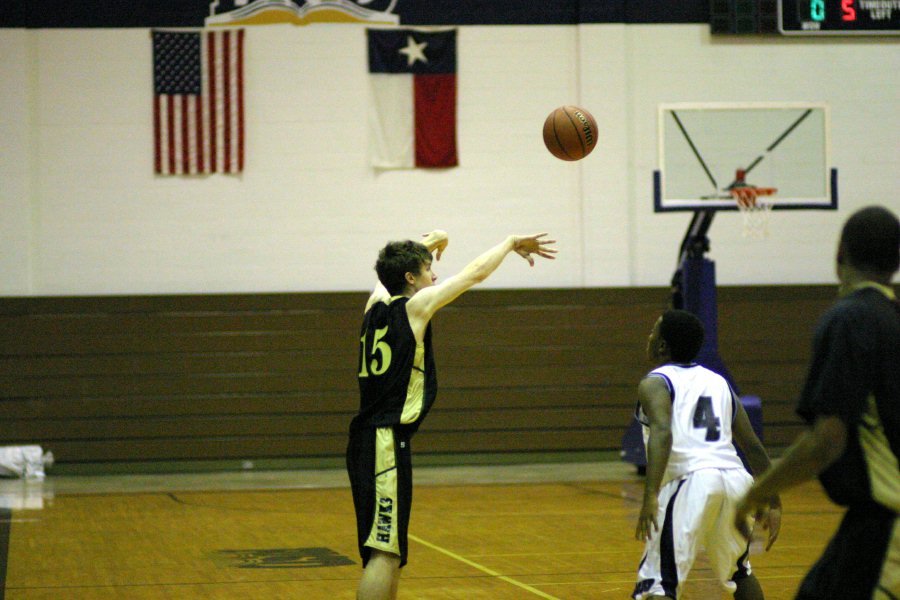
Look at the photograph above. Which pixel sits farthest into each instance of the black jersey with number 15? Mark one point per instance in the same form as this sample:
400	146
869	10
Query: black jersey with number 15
397	378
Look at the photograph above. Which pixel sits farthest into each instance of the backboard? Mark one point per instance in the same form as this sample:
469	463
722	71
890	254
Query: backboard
783	145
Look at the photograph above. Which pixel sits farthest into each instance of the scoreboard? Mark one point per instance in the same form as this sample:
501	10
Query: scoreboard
839	17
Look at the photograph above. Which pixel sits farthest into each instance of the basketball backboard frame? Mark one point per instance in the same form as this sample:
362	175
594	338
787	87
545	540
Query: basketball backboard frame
784	145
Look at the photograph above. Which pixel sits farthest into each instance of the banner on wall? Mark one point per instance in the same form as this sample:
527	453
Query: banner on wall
412	119
301	12
408	13
198	102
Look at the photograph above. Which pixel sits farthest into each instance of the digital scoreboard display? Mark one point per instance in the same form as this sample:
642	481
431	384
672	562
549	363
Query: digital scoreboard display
839	17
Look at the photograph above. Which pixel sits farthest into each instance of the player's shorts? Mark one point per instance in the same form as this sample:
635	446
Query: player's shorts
696	513
862	560
380	470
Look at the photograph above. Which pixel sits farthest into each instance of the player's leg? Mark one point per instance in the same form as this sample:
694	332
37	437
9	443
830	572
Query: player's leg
748	588
381	479
381	577
671	550
657	573
727	549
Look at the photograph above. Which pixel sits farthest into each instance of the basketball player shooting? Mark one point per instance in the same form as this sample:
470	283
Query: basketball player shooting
398	385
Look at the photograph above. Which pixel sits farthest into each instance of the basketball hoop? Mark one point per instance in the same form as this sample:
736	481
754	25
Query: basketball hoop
754	212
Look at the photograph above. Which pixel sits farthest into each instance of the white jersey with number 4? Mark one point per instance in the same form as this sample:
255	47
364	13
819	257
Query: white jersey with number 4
703	409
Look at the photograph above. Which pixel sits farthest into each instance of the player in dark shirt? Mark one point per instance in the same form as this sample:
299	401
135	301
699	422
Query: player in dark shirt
851	401
397	385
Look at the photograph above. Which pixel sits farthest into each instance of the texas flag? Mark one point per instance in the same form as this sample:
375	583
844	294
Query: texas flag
412	119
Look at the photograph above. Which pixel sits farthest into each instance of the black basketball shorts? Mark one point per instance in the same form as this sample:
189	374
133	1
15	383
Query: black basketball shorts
862	560
380	470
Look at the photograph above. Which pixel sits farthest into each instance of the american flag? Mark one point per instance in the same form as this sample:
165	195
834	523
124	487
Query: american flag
198	102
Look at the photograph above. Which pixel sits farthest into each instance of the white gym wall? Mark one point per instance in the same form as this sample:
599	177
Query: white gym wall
82	212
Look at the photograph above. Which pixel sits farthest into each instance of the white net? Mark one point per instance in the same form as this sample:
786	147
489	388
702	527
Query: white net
755	211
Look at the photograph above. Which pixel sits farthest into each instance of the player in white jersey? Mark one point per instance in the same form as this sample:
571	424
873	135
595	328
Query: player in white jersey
694	475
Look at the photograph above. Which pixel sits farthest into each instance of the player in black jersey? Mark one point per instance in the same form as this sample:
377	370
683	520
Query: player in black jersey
398	385
851	400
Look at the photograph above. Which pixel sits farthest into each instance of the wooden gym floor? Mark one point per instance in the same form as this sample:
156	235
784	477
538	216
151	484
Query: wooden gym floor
551	531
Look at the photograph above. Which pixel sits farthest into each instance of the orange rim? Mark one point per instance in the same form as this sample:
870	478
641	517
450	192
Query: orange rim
745	197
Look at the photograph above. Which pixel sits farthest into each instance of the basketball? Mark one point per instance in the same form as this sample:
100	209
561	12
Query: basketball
570	133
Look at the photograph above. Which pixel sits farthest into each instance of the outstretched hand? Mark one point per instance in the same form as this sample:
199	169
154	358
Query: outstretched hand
526	245
436	241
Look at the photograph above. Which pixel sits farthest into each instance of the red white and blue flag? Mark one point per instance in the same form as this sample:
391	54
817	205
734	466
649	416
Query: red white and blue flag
198	102
413	115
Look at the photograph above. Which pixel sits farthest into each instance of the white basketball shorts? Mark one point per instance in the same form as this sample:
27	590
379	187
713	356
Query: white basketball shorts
696	513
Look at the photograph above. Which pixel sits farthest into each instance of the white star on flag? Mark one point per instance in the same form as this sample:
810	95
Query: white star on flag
414	51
